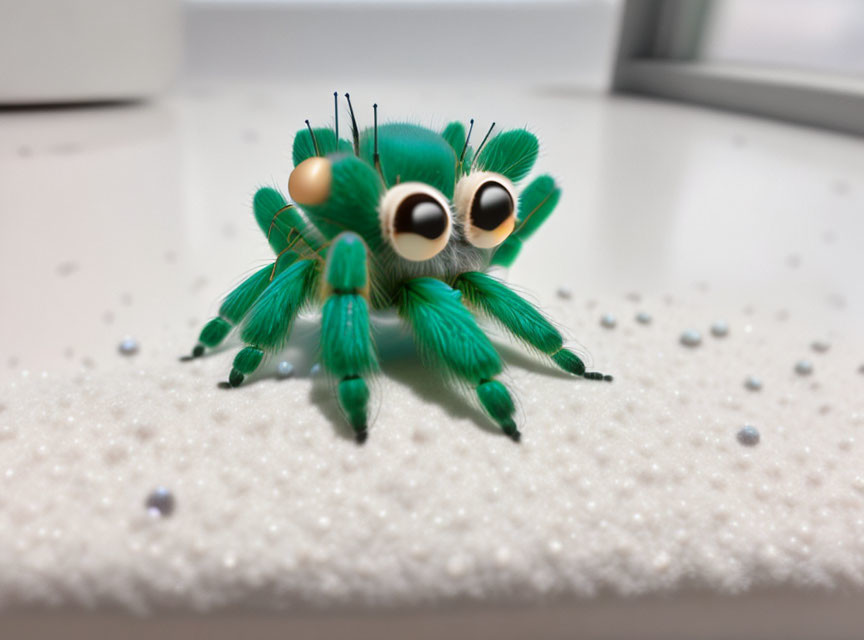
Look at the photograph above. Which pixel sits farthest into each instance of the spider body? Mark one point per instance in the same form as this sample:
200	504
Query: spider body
404	218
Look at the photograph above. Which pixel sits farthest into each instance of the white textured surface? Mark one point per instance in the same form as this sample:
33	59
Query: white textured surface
634	487
134	221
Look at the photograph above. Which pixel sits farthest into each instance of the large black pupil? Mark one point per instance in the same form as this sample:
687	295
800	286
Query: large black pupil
492	205
421	214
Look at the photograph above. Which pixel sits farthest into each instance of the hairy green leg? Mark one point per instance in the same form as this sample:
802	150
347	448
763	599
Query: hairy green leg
282	224
347	350
281	221
536	203
522	319
268	324
446	331
237	303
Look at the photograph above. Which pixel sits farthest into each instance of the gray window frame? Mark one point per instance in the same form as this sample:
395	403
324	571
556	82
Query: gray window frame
658	56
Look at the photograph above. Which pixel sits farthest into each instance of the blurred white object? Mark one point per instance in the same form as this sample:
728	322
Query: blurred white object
87	50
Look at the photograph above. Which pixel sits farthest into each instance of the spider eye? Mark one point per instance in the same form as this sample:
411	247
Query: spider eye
416	220
489	207
310	181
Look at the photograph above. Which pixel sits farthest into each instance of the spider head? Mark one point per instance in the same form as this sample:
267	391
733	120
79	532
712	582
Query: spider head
446	206
429	205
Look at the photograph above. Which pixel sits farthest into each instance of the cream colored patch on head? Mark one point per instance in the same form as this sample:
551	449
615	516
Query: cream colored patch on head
310	182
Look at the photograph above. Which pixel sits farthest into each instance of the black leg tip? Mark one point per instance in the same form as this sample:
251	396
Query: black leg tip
596	375
235	378
198	351
512	432
361	436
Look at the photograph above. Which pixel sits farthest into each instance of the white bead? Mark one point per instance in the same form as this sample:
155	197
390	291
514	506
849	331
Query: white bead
691	338
128	347
285	369
720	329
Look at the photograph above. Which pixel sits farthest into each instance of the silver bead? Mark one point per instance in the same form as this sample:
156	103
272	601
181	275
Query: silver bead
691	338
565	293
643	318
748	436
128	347
753	383
315	369
608	320
160	503
803	367
720	329
285	369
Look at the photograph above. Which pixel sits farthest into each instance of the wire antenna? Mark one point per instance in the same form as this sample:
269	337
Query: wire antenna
467	138
480	148
336	117
314	141
375	158
354	132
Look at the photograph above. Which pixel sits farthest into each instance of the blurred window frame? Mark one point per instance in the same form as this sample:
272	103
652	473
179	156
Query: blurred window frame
658	55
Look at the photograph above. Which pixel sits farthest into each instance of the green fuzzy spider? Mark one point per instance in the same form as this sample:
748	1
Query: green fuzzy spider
409	219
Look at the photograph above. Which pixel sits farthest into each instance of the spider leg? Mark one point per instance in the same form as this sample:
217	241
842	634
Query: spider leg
446	331
522	319
268	324
347	350
285	229
237	303
279	220
536	203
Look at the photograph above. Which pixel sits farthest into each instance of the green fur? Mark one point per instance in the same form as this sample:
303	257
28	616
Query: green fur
238	302
536	203
467	161
515	314
304	147
347	350
248	359
354	397
454	134
410	153
346	263
510	153
353	202
214	332
279	222
269	321
518	316
245	362
446	331
497	401
569	361
235	377
507	251
346	340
